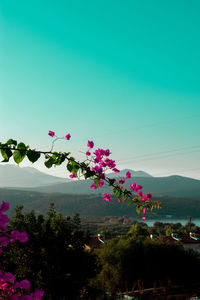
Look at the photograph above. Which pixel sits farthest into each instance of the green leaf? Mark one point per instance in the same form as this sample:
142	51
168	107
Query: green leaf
33	156
117	192
11	142
89	173
50	160
6	154
130	202
138	209
19	155
69	167
111	181
60	159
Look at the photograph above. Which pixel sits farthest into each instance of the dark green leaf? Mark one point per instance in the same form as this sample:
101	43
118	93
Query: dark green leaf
11	142
49	161
69	167
6	154
33	156
19	155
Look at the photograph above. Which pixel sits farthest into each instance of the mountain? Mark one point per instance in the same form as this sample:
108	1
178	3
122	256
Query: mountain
134	174
90	205
15	176
34	180
157	186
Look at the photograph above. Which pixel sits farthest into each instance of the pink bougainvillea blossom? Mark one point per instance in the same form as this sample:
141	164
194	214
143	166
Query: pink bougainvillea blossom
144	210
148	196
133	186
4	207
93	186
90	144
128	175
107	197
140	193
88	153
101	183
68	136
51	133
143	218
122	181
72	175
107	152
116	170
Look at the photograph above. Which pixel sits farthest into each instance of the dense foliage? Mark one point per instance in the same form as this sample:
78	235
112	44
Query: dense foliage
54	258
133	261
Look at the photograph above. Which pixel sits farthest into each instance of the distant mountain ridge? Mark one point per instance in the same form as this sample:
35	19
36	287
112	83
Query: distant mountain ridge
23	177
134	174
33	180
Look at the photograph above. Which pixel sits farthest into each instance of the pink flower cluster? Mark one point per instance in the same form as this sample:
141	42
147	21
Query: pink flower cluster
14	235
9	288
100	164
52	134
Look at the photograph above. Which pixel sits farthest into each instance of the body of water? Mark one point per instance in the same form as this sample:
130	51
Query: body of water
170	220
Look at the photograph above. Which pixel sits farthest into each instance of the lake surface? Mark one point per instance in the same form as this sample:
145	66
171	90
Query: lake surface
170	220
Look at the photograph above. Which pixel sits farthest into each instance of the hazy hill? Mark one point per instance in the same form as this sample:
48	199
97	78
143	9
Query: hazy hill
34	180
158	186
89	205
134	174
15	176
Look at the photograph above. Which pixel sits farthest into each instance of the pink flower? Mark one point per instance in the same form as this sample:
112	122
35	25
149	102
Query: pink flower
144	210
93	186
9	277
90	144
102	176
20	236
128	175
143	218
116	170
38	294
107	152
72	175
4	207
51	133
119	200
133	186
88	153
139	187
140	193
101	183
148	197
4	241
24	284
122	181
97	169
107	197
68	136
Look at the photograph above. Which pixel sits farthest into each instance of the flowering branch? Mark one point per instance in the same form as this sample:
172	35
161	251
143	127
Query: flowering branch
95	165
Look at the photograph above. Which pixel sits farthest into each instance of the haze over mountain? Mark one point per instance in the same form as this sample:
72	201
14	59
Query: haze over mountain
32	179
16	176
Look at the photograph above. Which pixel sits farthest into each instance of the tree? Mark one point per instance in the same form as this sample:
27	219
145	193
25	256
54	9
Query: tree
129	261
54	258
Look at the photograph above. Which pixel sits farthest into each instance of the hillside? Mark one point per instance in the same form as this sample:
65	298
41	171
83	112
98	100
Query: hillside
16	176
89	205
158	186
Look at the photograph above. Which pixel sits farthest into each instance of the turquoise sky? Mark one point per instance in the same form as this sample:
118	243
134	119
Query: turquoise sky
123	73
